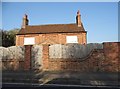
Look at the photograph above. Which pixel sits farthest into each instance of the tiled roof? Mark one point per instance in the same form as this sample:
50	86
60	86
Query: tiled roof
51	28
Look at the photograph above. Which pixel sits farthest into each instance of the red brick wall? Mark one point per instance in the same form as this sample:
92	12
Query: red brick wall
112	56
51	38
102	60
106	59
12	65
91	63
45	57
27	61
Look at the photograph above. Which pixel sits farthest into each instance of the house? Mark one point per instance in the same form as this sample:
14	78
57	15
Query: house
51	33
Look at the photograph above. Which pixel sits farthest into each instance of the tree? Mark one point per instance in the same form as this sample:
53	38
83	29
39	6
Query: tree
0	37
9	37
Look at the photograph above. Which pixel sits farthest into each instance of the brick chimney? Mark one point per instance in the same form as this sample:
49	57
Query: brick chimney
25	21
78	19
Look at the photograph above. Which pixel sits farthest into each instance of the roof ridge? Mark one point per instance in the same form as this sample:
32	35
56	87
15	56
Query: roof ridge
52	24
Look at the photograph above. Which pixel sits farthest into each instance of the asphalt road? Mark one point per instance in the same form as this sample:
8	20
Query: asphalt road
67	80
35	86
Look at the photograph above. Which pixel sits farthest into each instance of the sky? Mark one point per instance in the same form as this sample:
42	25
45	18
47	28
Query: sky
100	19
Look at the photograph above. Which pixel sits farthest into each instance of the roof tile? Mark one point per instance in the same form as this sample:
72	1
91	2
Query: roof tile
51	28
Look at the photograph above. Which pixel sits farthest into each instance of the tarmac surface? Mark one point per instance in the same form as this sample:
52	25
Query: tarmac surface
34	86
65	80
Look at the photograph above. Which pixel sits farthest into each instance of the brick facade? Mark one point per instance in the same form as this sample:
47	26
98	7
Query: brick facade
52	33
51	38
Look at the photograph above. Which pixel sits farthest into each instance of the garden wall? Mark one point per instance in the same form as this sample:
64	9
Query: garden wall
92	57
15	57
85	58
12	58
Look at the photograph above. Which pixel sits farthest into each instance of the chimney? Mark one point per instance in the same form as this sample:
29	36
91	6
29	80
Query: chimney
25	21
78	19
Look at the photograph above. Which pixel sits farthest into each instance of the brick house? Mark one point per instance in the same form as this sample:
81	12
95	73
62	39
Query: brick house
52	33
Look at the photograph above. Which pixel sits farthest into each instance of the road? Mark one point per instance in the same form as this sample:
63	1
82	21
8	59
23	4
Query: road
63	80
35	86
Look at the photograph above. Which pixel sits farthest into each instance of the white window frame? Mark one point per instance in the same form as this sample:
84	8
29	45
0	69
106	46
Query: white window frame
71	39
29	40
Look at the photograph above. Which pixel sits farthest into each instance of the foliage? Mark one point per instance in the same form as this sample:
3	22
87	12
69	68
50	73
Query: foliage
8	37
0	37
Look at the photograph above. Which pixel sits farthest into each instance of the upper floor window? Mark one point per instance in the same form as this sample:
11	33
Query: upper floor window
29	40
72	39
